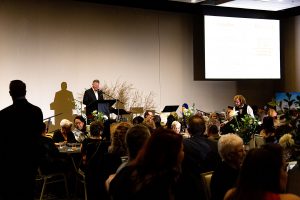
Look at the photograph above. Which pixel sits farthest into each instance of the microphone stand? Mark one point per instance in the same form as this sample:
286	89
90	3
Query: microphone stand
118	112
206	113
49	120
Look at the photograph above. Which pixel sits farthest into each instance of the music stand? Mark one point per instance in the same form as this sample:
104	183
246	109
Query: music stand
137	110
172	108
119	112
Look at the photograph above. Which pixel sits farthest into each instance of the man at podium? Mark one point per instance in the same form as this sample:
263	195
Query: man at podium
92	95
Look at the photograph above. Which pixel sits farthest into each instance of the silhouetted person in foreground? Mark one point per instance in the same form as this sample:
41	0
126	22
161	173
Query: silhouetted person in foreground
22	123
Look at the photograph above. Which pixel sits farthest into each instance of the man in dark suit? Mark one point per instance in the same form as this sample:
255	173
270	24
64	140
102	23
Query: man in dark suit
22	124
200	155
90	96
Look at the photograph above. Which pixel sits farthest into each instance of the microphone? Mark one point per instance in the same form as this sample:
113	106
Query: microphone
101	92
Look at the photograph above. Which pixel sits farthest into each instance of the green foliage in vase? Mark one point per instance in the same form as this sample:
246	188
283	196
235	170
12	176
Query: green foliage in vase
246	127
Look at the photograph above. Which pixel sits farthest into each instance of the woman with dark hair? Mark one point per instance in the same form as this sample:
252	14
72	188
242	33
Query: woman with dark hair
80	128
263	176
170	120
89	145
153	174
105	162
268	129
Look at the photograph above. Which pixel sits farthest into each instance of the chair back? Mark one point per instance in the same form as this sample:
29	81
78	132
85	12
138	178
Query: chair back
206	178
259	141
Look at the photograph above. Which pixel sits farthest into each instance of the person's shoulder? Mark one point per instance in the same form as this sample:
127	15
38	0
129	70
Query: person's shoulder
7	109
34	106
56	132
89	90
289	196
229	194
123	175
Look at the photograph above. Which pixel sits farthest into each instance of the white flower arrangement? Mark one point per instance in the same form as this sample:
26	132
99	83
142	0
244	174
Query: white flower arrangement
189	112
99	116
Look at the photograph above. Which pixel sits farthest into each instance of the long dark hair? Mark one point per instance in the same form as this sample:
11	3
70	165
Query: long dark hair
160	153
260	173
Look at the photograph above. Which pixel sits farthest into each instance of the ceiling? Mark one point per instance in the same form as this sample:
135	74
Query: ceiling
280	8
269	5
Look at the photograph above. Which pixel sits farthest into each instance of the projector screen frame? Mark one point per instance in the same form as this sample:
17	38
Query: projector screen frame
199	37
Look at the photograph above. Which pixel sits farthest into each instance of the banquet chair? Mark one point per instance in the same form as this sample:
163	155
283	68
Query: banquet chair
51	179
259	141
80	178
206	177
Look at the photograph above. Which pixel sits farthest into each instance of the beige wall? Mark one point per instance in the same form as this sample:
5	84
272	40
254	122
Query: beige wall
47	42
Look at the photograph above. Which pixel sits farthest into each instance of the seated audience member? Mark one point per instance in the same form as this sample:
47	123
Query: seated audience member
288	144
118	145
201	155
213	119
64	135
228	110
102	165
148	115
227	126
157	121
170	120
278	120
213	133
90	144
154	172
263	176
176	126
135	139
268	130
51	160
184	109
137	120
231	150
261	113
79	131
148	119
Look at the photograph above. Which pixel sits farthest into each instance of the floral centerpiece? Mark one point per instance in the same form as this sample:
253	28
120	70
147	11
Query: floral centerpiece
188	112
99	116
246	127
